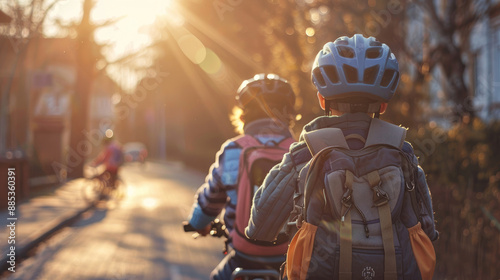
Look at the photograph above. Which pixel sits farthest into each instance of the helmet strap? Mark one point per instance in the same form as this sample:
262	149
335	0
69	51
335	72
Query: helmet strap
377	114
327	107
346	107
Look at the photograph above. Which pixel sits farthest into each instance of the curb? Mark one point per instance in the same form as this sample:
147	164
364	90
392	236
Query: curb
36	238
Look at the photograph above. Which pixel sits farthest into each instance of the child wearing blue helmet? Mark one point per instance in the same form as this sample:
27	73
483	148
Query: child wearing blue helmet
355	78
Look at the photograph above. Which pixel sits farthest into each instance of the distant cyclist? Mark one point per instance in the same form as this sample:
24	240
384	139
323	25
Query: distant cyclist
112	158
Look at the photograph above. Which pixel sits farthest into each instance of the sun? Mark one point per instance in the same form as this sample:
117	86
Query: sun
128	33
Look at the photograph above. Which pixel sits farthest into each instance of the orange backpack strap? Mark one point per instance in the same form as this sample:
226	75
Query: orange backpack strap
423	251
299	255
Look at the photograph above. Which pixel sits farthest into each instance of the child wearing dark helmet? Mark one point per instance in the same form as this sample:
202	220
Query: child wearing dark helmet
263	118
355	156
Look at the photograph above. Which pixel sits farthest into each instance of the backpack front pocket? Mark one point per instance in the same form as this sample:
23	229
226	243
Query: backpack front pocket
368	264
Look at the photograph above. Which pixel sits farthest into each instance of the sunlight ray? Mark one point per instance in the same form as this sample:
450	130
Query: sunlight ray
218	38
199	85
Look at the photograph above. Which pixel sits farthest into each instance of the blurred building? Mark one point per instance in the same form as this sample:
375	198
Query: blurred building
4	21
484	64
482	60
37	82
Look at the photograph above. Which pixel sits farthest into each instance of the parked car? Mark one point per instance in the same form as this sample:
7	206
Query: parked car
135	152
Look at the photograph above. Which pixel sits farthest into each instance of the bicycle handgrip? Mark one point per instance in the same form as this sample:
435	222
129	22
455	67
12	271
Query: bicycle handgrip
188	227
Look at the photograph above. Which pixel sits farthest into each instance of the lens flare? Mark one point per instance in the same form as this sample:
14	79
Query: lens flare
212	63
193	48
109	133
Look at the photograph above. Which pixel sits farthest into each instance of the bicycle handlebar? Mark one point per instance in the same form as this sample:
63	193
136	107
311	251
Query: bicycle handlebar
217	228
188	227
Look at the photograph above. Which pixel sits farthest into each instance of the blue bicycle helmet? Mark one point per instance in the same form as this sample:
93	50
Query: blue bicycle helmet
268	89
356	67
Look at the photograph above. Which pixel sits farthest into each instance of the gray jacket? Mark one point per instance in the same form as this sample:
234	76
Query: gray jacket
274	200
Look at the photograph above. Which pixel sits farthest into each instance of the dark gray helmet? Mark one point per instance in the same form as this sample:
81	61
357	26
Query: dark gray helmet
268	88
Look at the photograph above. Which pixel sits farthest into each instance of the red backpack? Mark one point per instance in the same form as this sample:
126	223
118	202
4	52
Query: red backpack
256	160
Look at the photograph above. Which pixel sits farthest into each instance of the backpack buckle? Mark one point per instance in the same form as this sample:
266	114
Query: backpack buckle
347	203
410	186
297	210
296	216
300	219
347	198
380	197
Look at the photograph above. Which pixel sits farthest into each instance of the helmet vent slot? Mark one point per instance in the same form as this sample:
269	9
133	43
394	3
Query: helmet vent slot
387	78
375	43
331	73
346	52
341	41
319	77
393	87
373	53
351	74
370	75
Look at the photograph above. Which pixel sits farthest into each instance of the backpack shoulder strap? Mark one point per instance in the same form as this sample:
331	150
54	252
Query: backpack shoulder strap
286	142
315	167
381	132
245	141
319	139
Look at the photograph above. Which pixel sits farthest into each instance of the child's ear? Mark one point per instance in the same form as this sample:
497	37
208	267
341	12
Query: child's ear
321	100
383	107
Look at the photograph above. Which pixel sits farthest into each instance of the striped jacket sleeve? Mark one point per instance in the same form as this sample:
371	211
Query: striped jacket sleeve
212	196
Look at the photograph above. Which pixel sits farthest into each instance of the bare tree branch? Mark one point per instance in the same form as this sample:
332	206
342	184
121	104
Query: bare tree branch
475	17
109	22
42	20
437	22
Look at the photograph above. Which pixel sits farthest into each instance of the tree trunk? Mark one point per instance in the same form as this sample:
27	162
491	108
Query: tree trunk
79	148
450	60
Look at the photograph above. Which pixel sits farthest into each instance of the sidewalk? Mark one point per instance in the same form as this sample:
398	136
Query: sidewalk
39	217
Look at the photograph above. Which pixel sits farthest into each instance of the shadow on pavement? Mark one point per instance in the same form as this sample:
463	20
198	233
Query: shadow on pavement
91	217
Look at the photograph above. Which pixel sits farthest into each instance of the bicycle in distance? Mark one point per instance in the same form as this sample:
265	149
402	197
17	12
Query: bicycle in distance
102	188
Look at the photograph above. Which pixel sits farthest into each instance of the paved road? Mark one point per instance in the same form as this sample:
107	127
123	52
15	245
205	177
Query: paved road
140	238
